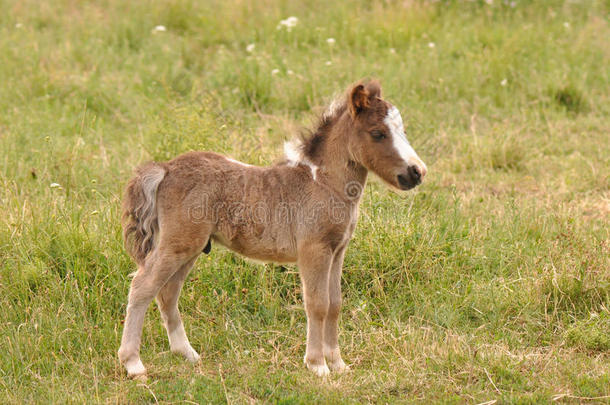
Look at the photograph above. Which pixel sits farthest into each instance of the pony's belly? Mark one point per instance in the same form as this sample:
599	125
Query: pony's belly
258	250
273	258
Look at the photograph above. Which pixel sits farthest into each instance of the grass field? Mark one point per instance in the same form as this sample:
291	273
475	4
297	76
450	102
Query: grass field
489	282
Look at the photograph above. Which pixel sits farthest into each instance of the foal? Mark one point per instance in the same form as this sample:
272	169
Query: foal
302	210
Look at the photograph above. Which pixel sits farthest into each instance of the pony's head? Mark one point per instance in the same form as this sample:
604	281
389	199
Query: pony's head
377	138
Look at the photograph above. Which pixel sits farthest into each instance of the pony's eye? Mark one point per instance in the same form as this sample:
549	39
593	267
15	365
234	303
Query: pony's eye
378	135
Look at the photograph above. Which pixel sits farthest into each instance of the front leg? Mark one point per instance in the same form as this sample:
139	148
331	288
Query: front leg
331	323
314	266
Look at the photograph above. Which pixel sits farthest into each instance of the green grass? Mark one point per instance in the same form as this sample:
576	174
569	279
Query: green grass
489	282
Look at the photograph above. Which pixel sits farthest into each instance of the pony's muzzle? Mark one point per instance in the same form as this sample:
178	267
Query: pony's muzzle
411	177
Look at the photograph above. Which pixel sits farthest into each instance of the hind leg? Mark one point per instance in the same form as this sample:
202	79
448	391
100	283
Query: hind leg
148	281
167	300
130	342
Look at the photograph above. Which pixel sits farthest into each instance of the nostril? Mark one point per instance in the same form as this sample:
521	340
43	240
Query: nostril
415	172
402	179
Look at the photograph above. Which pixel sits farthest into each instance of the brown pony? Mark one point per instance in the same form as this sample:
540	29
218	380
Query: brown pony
301	210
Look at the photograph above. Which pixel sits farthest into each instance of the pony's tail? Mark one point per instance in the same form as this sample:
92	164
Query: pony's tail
140	224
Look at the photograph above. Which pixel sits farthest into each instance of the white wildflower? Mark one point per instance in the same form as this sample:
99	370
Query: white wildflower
504	82
288	23
330	41
431	44
513	4
328	63
159	28
289	72
18	25
392	50
566	25
55	185
250	48
490	2
275	72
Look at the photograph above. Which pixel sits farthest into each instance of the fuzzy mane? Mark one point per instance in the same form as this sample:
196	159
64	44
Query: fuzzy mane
307	145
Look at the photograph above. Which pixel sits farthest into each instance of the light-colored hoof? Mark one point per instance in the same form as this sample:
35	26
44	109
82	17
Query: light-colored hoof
192	356
135	369
140	378
338	366
189	353
321	370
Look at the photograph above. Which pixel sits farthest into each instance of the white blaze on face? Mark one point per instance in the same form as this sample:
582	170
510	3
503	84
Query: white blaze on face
397	130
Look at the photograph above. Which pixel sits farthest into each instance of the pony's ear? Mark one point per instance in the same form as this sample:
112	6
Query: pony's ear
374	89
358	100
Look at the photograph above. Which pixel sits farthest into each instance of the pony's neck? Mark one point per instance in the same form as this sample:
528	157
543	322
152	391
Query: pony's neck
337	167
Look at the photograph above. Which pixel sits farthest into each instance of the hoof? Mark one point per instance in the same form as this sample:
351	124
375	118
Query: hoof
338	366
321	370
140	378
135	369
188	353
334	360
192	356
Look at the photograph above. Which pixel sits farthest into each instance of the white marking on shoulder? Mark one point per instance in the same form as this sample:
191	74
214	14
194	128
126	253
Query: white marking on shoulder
295	157
394	122
238	162
314	171
333	107
292	153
